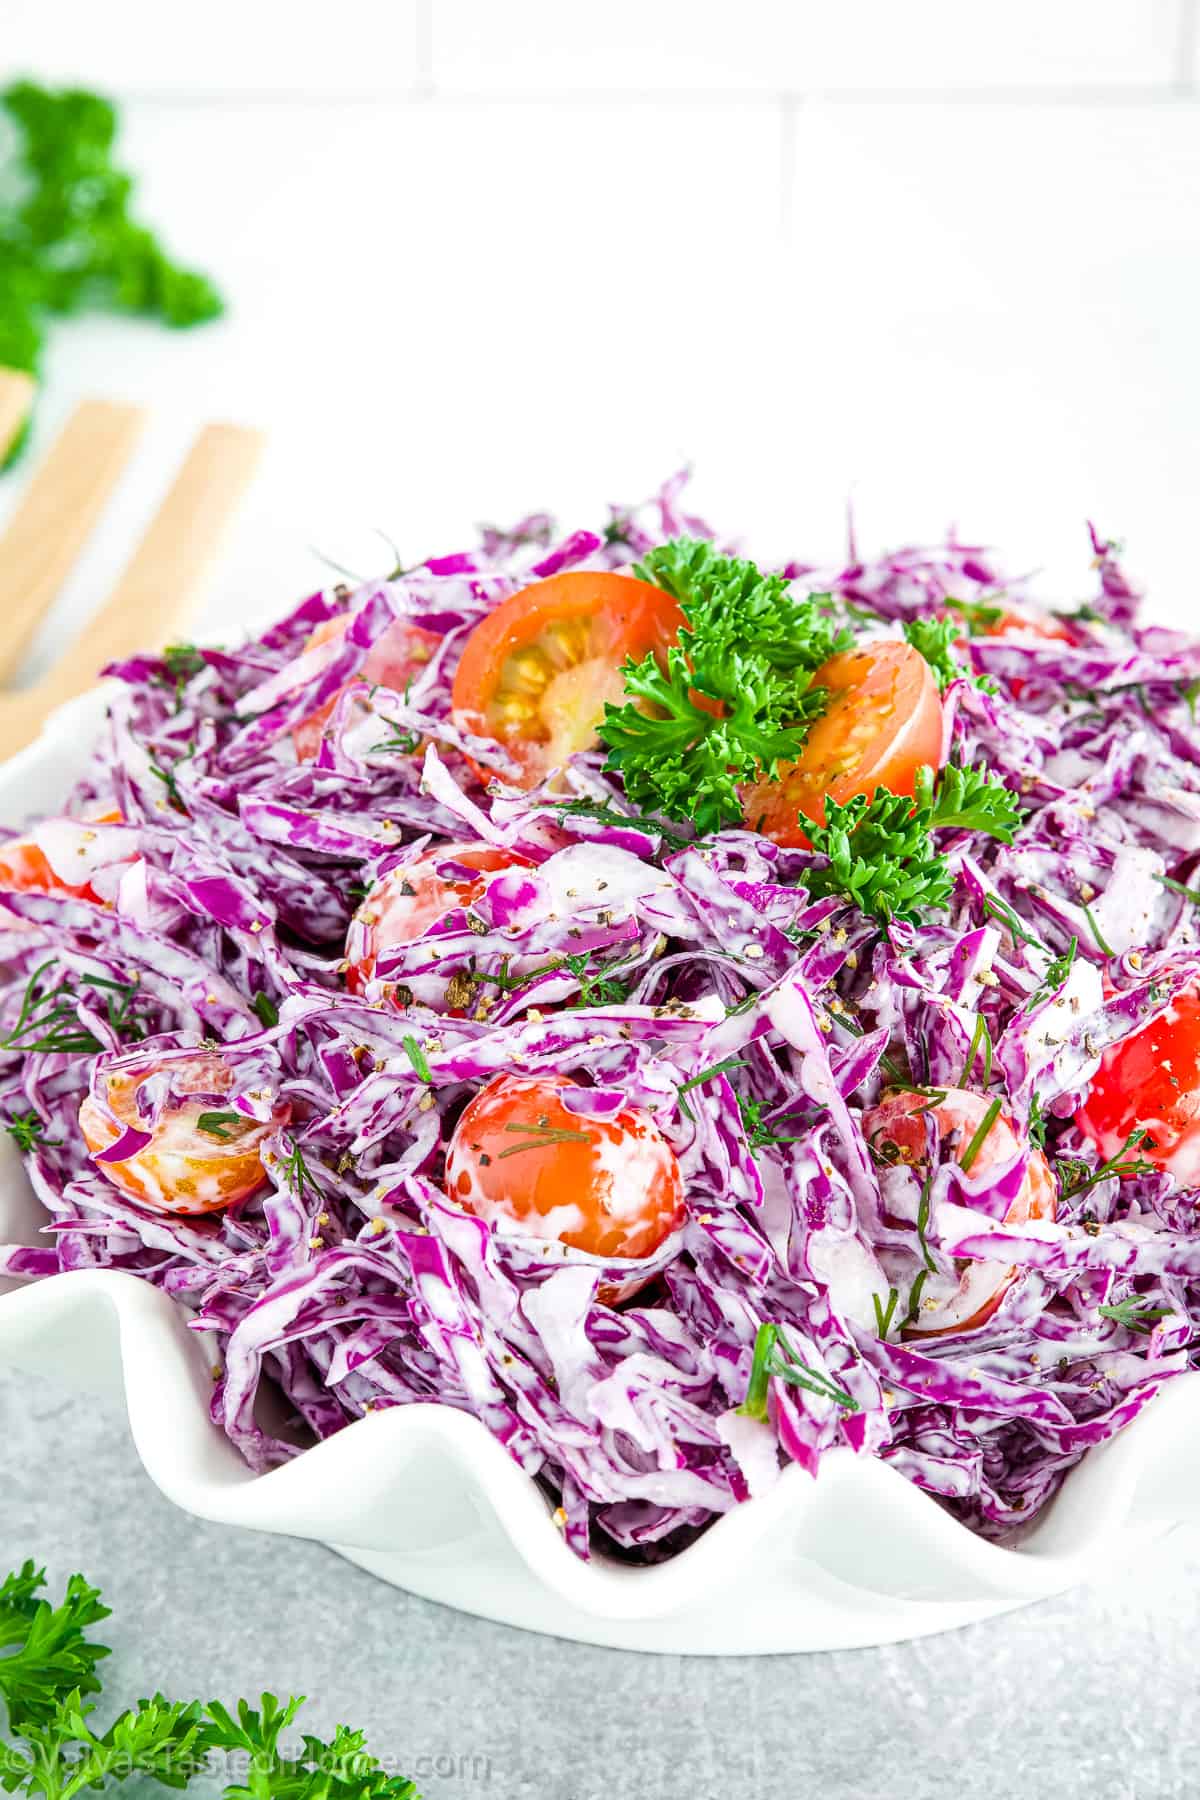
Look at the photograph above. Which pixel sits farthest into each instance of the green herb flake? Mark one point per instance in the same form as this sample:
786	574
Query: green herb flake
967	1159
266	1009
775	1359
1104	948
540	1137
1136	1315
217	1124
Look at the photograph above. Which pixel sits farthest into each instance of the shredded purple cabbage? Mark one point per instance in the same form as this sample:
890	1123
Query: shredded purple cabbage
351	1282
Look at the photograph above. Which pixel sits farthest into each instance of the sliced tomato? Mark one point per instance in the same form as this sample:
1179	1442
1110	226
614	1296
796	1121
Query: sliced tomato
187	1167
401	907
1012	623
1152	1079
537	672
523	1161
400	653
26	869
882	723
898	1123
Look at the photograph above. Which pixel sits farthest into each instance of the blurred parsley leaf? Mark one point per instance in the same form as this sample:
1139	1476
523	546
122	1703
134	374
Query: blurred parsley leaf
68	242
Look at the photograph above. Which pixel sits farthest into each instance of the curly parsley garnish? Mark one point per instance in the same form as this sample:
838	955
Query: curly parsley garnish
934	638
48	1677
735	697
881	852
68	242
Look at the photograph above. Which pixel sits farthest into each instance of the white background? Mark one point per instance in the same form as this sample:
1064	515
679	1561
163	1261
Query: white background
486	255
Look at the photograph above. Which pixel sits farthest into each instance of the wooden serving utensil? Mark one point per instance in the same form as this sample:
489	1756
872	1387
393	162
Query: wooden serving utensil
153	595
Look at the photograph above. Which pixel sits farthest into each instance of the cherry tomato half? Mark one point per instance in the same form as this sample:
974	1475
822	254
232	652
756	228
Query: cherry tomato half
883	721
26	869
1020	624
408	901
186	1167
536	673
400	653
1027	625
1152	1079
520	1159
899	1121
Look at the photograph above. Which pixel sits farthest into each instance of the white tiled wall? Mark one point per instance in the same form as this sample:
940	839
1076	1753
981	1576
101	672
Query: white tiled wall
803	46
605	46
937	255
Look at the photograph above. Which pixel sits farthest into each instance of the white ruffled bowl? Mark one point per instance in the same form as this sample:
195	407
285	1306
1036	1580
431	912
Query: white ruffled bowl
423	1496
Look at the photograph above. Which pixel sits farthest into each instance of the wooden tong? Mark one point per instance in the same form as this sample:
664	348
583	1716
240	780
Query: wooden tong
55	517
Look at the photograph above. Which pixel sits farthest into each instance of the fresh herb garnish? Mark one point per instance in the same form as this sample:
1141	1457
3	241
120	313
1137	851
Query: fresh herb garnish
1059	967
885	1313
881	853
981	1039
417	1057
1075	1177
599	986
694	1081
934	639
48	1672
775	1359
1104	948
26	1130
967	1159
1177	887
996	908
1036	1123
540	1136
49	1020
402	740
167	777
913	1310
1134	1314
979	616
296	1172
923	1209
217	1124
67	240
183	661
339	1770
735	697
760	1135
266	1009
44	1655
584	808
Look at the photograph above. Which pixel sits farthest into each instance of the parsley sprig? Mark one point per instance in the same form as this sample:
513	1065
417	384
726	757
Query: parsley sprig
935	638
44	1655
47	1678
881	853
733	697
67	240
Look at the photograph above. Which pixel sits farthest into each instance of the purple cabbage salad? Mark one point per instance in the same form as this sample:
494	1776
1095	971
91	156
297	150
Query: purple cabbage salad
831	1286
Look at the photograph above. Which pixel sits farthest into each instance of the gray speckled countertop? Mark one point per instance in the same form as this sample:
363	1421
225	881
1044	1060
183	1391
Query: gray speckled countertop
1093	1694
